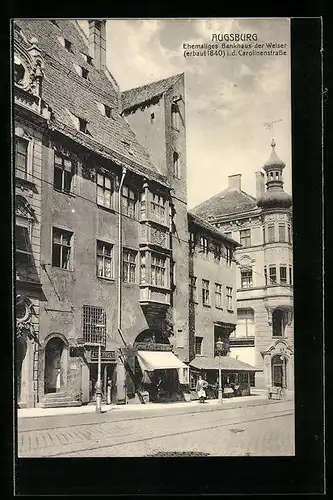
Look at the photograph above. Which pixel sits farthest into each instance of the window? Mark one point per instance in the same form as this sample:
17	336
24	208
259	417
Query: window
204	245
246	278
180	338
278	322
68	45
193	288
87	58
104	260
282	232
205	293
152	117
230	306
94	325
158	270
142	268
129	201
217	253
218	296
107	111
245	323
157	207
271	233
291	275
142	205
176	168
129	266
263	234
283	275
63	173
289	233
84	73
175	116
61	248
193	240
105	189
21	155
265	274
198	345
24	260
228	255
83	125
272	275
245	237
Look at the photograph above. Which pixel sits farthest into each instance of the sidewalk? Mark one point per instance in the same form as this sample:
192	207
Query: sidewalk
257	395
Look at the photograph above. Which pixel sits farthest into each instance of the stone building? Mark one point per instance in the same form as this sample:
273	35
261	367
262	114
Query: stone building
263	227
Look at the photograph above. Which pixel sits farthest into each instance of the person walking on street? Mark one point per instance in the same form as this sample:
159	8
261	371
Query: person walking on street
201	386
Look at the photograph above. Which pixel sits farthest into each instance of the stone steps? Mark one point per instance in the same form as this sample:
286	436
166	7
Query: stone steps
58	400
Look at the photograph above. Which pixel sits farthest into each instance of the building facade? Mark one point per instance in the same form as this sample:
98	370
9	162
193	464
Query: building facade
263	227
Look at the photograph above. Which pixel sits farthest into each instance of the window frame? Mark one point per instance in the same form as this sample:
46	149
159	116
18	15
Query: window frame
200	343
285	280
218	294
248	271
61	168
105	257
176	164
193	289
245	240
272	282
205	292
130	276
228	255
270	234
158	208
129	204
175	117
160	271
204	245
69	247
282	238
229	296
102	187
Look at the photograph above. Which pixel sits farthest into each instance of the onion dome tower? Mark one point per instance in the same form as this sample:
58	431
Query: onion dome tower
275	196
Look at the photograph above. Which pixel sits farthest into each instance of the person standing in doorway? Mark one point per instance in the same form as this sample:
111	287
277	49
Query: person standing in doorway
201	386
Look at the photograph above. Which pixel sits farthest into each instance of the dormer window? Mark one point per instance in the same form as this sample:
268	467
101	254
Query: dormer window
128	147
108	111
83	125
68	45
79	123
105	110
81	71
87	58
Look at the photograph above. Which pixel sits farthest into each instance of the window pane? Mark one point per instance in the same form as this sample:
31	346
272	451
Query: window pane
99	266
22	239
282	232
67	181
56	236
65	257
56	255
67	165
58	159
21	145
57	179
271	235
107	183
100	179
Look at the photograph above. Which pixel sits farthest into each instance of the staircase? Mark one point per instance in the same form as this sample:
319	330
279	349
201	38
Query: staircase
57	400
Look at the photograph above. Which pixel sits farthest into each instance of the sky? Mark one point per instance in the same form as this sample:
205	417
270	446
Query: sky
228	100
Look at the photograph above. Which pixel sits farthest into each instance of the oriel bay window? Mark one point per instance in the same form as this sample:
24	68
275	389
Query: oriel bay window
63	173
157	208
61	248
158	270
129	197
105	190
129	265
104	260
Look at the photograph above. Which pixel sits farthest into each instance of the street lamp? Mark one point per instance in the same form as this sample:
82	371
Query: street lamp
219	348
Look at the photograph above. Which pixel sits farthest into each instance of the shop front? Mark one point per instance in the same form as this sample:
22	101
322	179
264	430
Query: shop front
160	373
236	376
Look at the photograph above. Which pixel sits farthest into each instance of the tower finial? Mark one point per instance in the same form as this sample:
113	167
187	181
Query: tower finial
273	143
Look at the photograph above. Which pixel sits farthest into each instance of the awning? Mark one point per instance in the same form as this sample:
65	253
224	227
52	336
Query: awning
227	364
157	360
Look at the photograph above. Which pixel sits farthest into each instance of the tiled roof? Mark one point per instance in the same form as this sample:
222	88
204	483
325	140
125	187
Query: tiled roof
227	363
66	92
229	201
209	227
133	97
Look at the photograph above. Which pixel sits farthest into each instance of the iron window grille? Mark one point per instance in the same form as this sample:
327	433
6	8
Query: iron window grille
94	325
63	173
21	155
129	266
105	190
61	248
104	260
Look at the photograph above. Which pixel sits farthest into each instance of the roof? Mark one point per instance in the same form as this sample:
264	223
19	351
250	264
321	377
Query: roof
133	97
209	227
227	364
227	202
66	92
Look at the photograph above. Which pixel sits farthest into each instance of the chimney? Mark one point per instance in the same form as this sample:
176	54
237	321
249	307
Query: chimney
260	185
235	181
97	43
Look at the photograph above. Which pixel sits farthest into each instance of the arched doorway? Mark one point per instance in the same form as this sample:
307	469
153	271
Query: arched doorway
55	365
278	367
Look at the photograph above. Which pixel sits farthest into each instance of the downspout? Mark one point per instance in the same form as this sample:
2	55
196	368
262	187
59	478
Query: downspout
120	245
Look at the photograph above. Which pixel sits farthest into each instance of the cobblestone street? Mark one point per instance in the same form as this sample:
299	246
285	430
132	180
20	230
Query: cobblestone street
265	428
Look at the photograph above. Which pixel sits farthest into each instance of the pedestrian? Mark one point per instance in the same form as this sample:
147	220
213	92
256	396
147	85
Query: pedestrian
201	386
108	391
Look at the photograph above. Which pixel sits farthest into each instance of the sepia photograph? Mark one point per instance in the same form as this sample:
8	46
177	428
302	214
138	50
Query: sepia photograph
153	238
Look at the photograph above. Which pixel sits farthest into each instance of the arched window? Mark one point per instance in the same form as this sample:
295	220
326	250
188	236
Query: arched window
278	322
175	116
176	166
